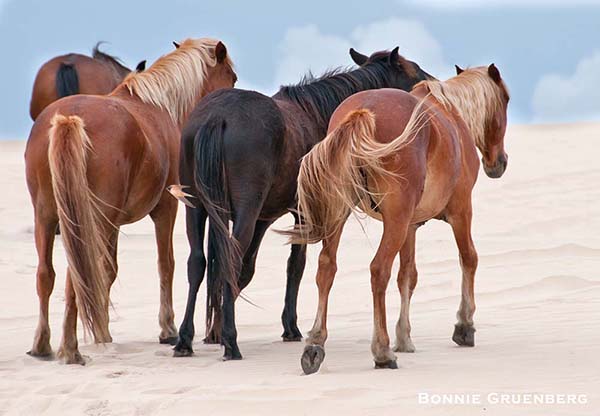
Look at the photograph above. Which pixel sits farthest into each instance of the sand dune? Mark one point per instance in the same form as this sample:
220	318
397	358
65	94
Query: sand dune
537	231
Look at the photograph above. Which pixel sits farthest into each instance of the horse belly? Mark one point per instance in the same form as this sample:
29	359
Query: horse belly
439	187
435	197
147	187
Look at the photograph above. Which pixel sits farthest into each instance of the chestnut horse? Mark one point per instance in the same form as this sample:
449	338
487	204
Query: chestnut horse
402	158
76	74
240	157
97	162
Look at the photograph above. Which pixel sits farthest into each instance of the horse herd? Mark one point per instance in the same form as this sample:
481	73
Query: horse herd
385	137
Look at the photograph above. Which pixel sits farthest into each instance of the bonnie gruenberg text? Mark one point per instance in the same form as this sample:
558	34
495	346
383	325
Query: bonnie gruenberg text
498	398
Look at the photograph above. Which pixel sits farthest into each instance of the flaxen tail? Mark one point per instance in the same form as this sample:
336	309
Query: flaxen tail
333	175
80	221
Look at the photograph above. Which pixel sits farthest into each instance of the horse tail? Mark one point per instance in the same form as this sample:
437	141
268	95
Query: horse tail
211	185
333	175
80	221
67	80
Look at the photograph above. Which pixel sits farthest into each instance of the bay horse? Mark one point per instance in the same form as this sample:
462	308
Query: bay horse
403	158
240	157
74	73
94	163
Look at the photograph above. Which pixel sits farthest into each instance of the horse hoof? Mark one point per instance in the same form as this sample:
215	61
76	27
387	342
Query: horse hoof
312	357
107	340
168	340
232	356
404	346
71	358
211	340
42	356
291	334
464	335
181	350
391	364
291	338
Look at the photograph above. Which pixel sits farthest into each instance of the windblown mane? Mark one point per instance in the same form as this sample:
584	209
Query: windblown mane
320	96
474	95
112	60
174	82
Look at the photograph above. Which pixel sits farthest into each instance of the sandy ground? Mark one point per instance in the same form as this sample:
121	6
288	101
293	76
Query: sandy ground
538	318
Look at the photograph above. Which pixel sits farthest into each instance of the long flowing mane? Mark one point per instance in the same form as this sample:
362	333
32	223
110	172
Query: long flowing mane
174	82
115	62
473	94
320	96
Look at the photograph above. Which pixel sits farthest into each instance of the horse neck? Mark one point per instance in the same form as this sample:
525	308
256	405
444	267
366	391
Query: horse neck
173	98
472	109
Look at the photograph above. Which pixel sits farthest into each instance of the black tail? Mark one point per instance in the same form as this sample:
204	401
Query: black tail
224	257
67	81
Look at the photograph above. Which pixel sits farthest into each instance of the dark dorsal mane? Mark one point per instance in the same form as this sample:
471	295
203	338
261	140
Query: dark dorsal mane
115	62
320	96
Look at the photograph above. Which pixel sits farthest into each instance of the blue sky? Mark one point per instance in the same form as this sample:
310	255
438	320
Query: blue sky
548	51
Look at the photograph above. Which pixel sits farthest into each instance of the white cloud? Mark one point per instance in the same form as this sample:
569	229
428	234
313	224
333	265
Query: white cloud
413	38
307	48
448	4
569	98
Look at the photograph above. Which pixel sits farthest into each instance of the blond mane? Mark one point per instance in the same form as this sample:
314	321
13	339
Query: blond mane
474	95
174	82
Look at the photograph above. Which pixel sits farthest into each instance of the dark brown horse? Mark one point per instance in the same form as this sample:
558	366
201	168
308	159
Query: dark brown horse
76	74
94	163
240	157
404	159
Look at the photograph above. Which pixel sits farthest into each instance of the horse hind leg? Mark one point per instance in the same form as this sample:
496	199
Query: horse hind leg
314	351
464	331
249	265
247	272
111	273
69	350
396	217
244	227
69	347
407	280
164	216
196	267
295	270
44	241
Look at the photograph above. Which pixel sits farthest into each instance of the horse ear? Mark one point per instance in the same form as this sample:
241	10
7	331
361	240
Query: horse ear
176	45
358	58
459	70
220	52
494	73
394	56
141	66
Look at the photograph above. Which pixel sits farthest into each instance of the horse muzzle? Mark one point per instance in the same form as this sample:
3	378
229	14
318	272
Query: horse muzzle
498	169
